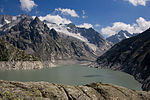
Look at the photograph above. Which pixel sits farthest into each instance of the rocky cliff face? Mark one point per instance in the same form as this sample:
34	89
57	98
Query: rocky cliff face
21	65
132	56
45	90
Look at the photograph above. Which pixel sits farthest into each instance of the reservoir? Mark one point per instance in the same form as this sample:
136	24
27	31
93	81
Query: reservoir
72	75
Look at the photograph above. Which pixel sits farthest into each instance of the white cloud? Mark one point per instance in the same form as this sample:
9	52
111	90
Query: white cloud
97	25
138	27
27	5
67	11
85	25
138	2
55	19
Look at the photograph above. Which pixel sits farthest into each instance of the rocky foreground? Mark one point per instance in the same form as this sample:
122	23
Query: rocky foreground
44	90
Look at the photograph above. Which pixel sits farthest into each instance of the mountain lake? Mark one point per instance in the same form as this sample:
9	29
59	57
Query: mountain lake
72	75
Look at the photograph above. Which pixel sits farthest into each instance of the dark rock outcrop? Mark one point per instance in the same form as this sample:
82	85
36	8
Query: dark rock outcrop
131	56
146	84
45	90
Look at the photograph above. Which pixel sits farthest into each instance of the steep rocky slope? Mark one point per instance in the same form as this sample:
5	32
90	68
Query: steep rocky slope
10	53
132	56
45	90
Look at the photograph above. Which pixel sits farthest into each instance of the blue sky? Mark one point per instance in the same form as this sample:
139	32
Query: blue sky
104	13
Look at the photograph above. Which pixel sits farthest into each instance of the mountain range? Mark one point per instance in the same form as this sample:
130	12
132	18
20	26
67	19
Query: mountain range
121	35
51	42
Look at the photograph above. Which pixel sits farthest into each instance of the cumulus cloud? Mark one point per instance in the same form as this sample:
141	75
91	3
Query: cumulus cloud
138	2
27	5
85	25
67	11
138	27
55	19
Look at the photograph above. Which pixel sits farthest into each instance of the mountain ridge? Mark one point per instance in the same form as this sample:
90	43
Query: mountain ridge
131	56
121	35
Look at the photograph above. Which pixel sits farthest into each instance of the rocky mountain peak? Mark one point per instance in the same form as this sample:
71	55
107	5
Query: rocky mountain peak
37	21
121	35
123	31
37	24
54	34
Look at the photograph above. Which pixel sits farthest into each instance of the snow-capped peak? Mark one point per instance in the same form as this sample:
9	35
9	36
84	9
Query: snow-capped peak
119	36
126	35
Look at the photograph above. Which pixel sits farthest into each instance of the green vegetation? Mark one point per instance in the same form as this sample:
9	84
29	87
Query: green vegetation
10	53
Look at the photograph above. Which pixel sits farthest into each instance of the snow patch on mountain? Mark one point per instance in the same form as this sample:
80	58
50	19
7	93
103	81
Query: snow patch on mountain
14	18
126	35
7	21
64	30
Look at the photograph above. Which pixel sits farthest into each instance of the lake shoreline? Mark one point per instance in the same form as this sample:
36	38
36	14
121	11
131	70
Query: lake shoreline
29	65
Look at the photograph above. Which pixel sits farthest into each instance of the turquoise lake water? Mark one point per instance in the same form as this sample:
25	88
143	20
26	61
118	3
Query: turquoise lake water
72	75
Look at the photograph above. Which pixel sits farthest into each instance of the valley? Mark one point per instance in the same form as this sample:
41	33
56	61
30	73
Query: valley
34	50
